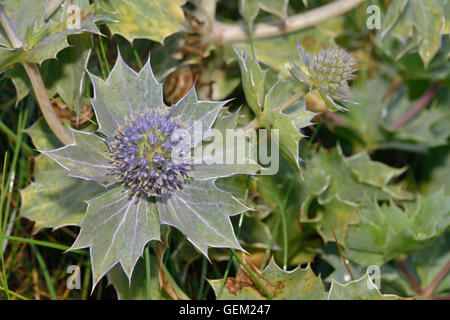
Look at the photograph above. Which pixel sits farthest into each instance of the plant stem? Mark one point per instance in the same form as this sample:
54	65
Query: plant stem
284	227
257	122
257	281
419	106
44	244
48	279
249	28
342	254
226	32
294	98
13	136
13	293
44	103
37	84
103	50
412	280
428	293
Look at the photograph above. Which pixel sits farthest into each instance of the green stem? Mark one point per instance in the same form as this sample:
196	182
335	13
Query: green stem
249	28
258	122
11	176
13	136
257	281
103	50
48	279
9	292
44	244
294	98
202	277
138	59
86	279
284	227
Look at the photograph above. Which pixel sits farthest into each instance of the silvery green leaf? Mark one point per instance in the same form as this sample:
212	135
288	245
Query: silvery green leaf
123	94
193	112
225	156
42	39
253	78
87	158
116	228
53	200
201	211
289	122
360	289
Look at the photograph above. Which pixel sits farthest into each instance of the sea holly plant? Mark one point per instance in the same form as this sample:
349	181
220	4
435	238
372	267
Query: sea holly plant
138	155
267	150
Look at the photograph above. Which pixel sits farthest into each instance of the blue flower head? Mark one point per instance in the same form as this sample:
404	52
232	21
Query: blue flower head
142	151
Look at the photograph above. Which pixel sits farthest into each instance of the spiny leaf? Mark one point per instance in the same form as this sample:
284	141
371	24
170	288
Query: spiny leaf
421	21
298	284
63	76
87	158
66	75
253	78
116	228
289	122
331	180
387	232
53	200
154	20
265	106
123	93
42	39
361	289
369	125
204	221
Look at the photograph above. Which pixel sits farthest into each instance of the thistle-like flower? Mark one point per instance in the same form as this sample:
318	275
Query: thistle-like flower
328	71
138	155
143	155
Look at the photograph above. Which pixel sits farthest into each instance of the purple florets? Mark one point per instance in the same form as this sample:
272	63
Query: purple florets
142	154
